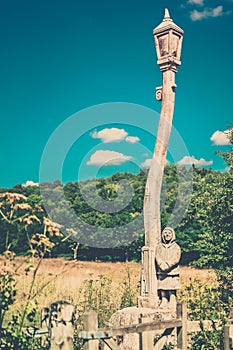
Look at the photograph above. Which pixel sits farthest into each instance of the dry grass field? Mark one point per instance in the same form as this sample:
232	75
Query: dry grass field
61	279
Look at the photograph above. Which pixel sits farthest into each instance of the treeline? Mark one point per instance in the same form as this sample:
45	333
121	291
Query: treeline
103	218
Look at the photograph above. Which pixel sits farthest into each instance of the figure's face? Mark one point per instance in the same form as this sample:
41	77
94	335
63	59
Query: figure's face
167	235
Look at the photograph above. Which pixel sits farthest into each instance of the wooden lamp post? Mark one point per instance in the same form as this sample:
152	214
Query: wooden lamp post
168	41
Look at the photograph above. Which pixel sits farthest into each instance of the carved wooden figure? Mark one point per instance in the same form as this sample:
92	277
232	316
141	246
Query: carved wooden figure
167	257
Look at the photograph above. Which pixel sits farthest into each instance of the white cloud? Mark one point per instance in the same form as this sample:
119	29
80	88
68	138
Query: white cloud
30	183
132	139
107	158
147	163
110	135
196	2
114	135
206	13
187	160
219	138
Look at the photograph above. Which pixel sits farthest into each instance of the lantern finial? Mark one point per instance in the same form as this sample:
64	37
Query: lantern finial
167	15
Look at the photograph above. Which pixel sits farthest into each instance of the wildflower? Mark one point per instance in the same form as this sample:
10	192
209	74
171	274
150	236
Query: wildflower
23	206
72	232
12	197
38	208
29	220
42	242
52	228
9	255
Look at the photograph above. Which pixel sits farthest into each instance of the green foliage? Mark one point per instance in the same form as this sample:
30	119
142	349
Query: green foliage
215	213
225	284
205	234
207	340
94	295
99	295
129	293
205	302
228	156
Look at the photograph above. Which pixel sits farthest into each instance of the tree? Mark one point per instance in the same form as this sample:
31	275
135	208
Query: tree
228	156
215	211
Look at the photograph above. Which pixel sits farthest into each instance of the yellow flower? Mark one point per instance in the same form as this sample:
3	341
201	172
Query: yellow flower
29	220
12	197
23	206
42	242
52	228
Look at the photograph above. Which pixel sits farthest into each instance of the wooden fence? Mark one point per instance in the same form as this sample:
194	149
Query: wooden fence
61	331
91	334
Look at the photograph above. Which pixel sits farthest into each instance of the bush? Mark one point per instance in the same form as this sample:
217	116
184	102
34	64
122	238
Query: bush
206	302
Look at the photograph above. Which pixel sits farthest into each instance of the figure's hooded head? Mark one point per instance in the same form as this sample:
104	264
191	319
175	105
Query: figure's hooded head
168	235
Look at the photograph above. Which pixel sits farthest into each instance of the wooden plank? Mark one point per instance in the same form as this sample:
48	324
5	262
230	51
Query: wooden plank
226	340
182	334
90	320
144	327
146	339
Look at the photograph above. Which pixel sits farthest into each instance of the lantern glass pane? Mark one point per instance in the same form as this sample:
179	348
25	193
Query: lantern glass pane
175	45
163	45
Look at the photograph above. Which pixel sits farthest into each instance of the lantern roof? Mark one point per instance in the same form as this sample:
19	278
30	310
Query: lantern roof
167	24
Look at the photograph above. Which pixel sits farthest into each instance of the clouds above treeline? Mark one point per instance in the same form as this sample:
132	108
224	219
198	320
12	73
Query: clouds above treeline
111	157
191	160
186	160
30	183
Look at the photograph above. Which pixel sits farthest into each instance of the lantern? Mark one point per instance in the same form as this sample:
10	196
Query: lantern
168	41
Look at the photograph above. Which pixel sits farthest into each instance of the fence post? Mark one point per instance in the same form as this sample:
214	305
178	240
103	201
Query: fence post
90	320
182	334
61	329
146	339
228	333
226	340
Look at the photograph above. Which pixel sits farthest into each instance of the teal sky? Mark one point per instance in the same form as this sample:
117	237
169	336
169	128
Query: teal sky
60	57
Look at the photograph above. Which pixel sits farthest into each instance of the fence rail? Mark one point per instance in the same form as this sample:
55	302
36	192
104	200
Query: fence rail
91	334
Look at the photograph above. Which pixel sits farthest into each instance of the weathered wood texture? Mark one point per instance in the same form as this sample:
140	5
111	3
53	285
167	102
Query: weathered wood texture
182	332
90	321
91	334
228	333
145	329
60	316
152	222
